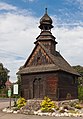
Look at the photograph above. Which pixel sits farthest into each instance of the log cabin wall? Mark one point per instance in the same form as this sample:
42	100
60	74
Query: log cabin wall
36	86
67	86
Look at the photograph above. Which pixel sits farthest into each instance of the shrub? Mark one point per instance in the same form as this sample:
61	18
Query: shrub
80	93
47	105
62	111
21	102
78	106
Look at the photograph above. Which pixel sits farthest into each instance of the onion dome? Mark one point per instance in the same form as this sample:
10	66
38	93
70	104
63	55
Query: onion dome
45	20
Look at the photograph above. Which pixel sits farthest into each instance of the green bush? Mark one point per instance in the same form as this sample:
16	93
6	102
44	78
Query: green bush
80	93
78	106
47	105
3	93
21	102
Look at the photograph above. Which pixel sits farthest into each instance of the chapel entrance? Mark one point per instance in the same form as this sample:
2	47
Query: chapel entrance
38	88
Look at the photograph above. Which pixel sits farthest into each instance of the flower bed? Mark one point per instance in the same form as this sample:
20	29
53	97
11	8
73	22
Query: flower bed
49	108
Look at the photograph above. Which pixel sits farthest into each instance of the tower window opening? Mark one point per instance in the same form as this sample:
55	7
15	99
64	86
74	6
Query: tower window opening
46	28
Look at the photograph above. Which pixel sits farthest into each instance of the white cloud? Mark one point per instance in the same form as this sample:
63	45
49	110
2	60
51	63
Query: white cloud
8	8
18	33
78	2
5	6
70	44
16	39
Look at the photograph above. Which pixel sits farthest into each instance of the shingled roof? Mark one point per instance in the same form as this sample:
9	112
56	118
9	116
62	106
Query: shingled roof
46	41
59	64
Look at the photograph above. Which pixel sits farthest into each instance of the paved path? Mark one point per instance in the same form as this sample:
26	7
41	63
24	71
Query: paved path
4	104
22	116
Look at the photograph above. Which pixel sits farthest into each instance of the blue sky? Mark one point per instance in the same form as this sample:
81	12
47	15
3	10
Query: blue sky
19	21
68	11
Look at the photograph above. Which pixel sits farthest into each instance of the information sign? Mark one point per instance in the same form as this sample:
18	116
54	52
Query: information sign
9	92
15	89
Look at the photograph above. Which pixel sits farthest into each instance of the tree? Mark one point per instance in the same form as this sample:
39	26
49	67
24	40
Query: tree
79	69
3	75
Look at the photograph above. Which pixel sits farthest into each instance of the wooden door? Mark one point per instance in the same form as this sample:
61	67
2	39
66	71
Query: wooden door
37	88
41	88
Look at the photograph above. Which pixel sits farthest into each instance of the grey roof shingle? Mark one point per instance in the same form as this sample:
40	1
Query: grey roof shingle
59	63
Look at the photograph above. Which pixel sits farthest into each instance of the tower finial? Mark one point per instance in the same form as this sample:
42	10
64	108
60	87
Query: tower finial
46	10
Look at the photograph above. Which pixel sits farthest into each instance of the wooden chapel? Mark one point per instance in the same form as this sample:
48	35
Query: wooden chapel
46	72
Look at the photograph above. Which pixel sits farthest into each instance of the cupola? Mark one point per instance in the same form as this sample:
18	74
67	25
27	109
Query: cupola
46	38
46	22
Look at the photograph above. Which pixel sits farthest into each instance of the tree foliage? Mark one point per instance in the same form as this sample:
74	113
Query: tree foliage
3	75
79	69
80	93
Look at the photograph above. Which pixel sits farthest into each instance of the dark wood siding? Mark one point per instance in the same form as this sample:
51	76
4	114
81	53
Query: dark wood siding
57	86
67	86
39	85
51	86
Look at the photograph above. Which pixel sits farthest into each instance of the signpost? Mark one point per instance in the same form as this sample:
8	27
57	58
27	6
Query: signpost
15	92
9	95
8	86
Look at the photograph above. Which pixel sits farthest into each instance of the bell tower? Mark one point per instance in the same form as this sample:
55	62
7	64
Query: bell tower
46	38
